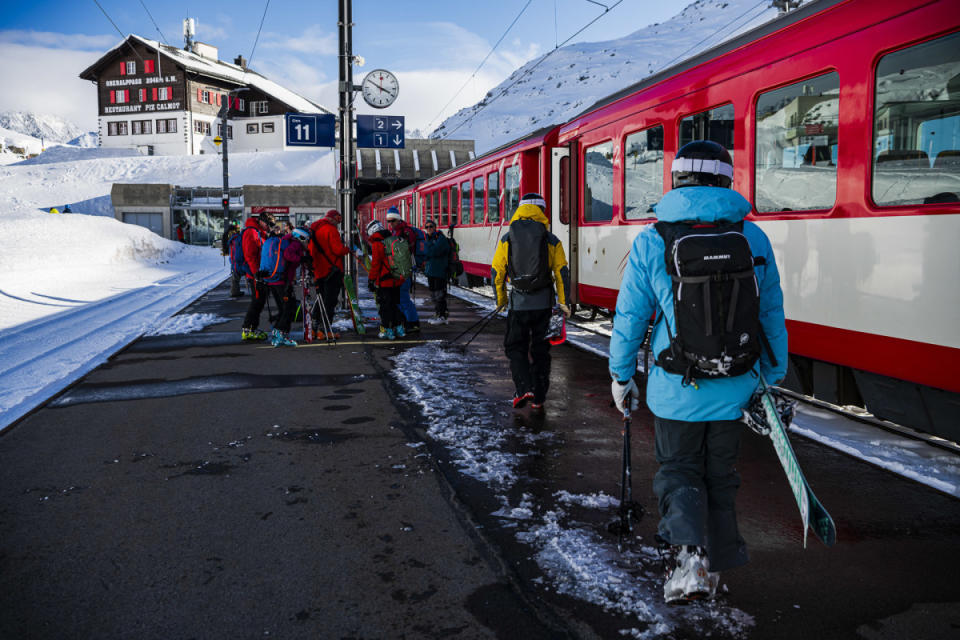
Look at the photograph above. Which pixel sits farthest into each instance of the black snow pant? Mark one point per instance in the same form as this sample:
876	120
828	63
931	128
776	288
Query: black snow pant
258	299
696	487
235	291
528	350
388	299
287	305
329	291
438	293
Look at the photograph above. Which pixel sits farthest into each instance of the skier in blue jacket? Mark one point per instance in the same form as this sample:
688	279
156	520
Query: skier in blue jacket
697	425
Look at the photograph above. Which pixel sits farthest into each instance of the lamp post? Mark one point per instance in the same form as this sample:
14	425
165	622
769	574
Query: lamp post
224	112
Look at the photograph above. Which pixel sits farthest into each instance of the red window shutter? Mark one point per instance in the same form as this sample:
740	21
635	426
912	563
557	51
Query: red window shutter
169	93
218	99
199	95
126	95
113	97
154	94
148	66
123	68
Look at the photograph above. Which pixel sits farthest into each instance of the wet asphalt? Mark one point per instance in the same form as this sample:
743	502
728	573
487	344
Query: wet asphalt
198	487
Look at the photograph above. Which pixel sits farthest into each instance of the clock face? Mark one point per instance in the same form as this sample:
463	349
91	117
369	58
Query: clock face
380	88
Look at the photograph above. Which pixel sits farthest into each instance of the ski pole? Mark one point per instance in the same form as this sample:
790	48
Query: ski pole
468	329
487	321
629	511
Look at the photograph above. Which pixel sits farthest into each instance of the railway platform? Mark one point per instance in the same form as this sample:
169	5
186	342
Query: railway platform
199	487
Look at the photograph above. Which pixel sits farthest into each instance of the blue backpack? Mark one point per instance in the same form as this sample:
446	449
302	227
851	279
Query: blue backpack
420	247
272	263
237	263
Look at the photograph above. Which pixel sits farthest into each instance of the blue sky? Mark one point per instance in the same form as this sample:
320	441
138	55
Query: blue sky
433	46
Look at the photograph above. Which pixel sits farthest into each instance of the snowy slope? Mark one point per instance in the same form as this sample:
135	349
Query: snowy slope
557	86
50	128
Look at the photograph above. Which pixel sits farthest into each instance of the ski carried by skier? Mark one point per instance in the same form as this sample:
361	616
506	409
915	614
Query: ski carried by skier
769	414
305	305
351	288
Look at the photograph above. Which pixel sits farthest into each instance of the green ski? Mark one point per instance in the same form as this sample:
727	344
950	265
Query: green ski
351	288
812	513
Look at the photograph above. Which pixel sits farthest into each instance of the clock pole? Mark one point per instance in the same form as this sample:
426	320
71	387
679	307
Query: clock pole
345	186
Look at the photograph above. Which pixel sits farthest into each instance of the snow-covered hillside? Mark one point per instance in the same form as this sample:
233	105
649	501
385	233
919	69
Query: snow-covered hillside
49	128
555	87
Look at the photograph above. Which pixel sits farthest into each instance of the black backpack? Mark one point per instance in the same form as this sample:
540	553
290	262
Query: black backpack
716	300
528	263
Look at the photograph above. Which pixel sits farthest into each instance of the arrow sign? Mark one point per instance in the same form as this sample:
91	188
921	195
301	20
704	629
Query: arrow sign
380	132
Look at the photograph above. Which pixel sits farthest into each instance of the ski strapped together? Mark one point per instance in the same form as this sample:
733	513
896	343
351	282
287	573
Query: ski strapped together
812	513
351	288
306	306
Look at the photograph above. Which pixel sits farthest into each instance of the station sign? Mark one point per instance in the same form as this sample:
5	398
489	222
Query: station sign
311	129
380	132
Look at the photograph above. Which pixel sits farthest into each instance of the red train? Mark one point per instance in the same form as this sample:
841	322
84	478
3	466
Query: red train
843	120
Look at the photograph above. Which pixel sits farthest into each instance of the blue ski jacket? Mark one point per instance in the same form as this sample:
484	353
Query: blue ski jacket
646	288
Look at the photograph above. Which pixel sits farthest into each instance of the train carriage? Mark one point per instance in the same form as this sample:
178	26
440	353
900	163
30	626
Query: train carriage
843	121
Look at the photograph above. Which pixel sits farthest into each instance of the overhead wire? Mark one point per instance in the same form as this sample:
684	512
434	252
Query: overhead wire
534	66
473	75
122	35
163	37
257	39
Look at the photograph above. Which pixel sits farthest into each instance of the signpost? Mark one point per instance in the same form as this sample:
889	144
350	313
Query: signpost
380	132
311	129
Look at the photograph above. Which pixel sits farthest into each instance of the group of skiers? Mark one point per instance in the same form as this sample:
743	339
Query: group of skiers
701	286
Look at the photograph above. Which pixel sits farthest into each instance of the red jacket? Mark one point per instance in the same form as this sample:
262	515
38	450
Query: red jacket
326	247
379	272
252	241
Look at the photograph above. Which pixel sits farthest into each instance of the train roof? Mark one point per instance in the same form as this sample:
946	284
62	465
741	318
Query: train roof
797	15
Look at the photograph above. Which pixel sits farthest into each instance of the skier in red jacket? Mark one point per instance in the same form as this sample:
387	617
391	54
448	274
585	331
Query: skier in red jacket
254	231
386	285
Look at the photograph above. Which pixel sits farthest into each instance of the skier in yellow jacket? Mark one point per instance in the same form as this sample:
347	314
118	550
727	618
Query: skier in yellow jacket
532	258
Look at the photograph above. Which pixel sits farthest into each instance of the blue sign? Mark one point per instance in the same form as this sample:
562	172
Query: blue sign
311	130
380	132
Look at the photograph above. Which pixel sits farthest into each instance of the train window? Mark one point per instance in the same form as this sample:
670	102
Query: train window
511	191
642	173
715	124
453	205
444	209
796	154
598	183
478	200
493	197
916	129
465	203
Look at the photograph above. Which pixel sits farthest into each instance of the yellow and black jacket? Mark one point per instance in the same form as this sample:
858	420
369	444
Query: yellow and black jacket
528	301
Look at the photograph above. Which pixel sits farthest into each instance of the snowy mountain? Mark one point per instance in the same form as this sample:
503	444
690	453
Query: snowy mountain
49	128
86	140
562	83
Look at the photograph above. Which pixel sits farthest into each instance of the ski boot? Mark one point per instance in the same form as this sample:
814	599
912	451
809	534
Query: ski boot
399	331
278	339
690	578
247	334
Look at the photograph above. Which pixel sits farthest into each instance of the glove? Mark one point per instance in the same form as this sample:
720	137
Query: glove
623	390
565	309
371	286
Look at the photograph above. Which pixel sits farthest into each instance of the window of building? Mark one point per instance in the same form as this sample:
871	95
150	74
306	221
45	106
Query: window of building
128	68
142	95
229	131
478	200
258	107
120	96
201	127
267	127
240	104
715	124
142	127
444	209
205	97
253	127
171	125
466	203
493	197
166	93
161	126
796	154
916	129
112	129
511	191
598	183
642	173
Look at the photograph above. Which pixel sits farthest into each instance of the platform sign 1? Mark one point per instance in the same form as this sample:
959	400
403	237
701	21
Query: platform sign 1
311	129
380	132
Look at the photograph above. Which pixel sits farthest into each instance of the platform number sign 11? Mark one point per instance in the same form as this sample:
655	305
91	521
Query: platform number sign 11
311	130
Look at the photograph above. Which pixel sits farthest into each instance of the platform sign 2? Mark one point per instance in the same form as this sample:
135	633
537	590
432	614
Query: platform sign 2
380	132
311	129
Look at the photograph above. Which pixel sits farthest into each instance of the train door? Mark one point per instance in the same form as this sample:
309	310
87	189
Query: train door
563	221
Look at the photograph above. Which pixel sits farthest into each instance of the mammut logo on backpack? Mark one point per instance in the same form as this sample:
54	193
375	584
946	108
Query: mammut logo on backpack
715	301
399	260
528	263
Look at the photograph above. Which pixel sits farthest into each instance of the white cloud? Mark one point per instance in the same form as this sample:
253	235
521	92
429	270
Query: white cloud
46	80
58	40
315	40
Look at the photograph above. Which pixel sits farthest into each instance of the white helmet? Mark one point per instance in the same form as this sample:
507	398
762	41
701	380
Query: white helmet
374	226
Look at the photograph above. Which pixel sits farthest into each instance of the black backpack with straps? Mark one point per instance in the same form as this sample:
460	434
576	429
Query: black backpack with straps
716	300
528	261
